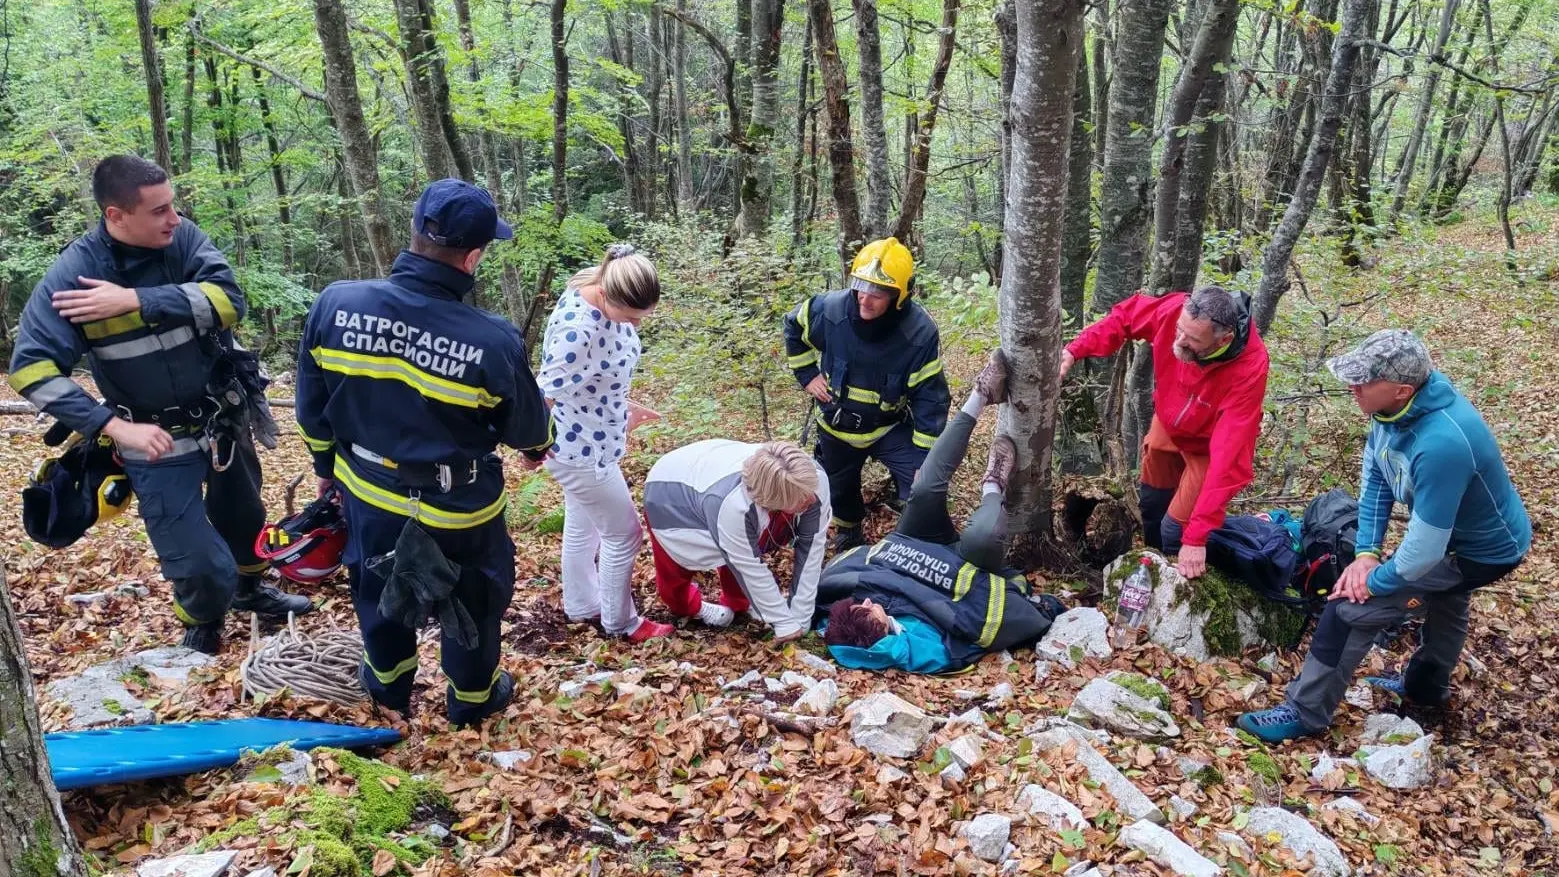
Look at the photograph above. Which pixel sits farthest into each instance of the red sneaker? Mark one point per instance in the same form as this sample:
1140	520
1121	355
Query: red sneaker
648	629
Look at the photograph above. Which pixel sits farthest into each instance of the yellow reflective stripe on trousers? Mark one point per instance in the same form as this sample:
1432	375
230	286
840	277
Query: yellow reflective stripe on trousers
32	373
100	329
314	443
386	677
253	569
395	503
964	581
995	609
931	369
363	365
180	614
475	696
856	439
922	439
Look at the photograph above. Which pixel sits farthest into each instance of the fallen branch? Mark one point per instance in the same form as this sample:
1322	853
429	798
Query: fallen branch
792	723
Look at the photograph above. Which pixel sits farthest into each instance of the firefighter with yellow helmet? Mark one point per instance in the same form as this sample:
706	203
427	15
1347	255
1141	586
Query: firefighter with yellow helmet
870	355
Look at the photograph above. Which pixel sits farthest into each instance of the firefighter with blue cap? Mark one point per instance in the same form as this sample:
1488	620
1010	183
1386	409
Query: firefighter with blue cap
150	303
870	356
405	389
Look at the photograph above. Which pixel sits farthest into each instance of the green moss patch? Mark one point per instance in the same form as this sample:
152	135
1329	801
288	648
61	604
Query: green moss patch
1265	766
1222	599
1143	687
339	834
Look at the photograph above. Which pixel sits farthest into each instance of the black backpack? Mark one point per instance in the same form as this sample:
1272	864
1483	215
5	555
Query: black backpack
1327	537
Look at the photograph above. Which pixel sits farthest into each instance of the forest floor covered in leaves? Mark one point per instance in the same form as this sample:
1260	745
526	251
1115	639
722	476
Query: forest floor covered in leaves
675	775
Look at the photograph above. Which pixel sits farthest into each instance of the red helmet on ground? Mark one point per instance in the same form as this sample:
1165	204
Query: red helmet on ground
306	547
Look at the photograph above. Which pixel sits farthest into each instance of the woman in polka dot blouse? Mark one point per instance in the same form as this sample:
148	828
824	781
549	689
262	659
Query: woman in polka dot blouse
588	357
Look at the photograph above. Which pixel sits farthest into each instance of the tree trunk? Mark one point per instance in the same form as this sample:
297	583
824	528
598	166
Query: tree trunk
1125	192
1213	43
684	125
841	149
157	107
1101	82
758	186
357	146
278	173
920	162
1049	42
1201	162
442	150
187	123
35	837
1007	28
804	91
1275	261
1415	137
657	83
487	147
621	51
874	133
221	120
1077	232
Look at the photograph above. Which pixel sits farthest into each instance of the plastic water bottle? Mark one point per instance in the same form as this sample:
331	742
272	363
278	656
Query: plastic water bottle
1132	610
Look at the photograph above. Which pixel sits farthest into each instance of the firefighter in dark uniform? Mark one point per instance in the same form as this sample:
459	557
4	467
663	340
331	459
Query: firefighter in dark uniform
405	389
150	303
870	357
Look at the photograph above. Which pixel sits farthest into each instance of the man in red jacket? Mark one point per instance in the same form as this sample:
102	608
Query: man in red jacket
1210	371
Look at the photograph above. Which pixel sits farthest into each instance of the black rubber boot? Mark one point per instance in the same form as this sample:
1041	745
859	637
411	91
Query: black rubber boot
204	637
1154	503
464	715
846	538
257	595
396	696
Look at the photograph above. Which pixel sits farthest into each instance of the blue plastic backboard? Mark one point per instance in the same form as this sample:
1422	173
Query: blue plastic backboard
141	752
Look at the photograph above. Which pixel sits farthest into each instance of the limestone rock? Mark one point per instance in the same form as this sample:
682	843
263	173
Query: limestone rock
1084	628
1173	624
1000	694
792	679
1163	847
1360	695
967	750
885	724
1128	798
1183	808
511	759
1104	703
1235	844
1349	805
973	717
888	774
1388	728
819	699
1324	765
1401	767
987	835
203	865
751	677
96	698
1301	838
170	665
953	774
1056	811
819	665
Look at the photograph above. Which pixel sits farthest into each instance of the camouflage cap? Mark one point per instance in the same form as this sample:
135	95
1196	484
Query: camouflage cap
1395	355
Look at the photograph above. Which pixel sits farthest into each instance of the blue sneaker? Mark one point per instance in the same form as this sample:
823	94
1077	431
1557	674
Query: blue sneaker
1275	725
1388	684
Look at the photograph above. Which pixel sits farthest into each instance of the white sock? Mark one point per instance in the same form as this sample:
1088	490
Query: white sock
975	404
989	487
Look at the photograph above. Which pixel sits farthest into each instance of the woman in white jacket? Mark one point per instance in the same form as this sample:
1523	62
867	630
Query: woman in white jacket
588	357
721	505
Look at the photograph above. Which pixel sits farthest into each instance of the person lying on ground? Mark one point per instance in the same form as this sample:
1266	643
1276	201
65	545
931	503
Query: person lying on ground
1430	450
722	505
927	598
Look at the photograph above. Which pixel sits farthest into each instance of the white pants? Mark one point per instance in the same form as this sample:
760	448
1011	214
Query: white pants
599	517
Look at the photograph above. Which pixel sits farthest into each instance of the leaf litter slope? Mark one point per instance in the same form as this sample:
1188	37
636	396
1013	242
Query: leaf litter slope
671	774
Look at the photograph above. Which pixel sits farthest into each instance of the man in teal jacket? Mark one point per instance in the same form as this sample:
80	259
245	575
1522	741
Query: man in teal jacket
1428	449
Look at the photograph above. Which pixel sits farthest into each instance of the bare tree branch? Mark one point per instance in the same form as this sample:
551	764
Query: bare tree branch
1541	87
311	94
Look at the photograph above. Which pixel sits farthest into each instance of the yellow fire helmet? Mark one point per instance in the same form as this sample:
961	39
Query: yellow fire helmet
885	263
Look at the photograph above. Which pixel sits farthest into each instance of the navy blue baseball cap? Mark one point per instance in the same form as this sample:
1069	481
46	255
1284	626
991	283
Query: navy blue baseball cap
462	216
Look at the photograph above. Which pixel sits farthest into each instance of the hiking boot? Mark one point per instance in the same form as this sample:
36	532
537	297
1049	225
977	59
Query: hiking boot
1276	725
204	637
1004	455
648	630
715	615
257	595
1389	684
398	700
991	382
846	538
464	715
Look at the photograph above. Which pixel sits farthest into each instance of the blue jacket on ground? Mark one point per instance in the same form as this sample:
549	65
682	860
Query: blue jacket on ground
403	371
157	357
916	647
1439	458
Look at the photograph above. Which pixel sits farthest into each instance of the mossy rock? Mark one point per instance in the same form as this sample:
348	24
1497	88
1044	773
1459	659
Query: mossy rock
1143	687
1218	613
1265	766
343	832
